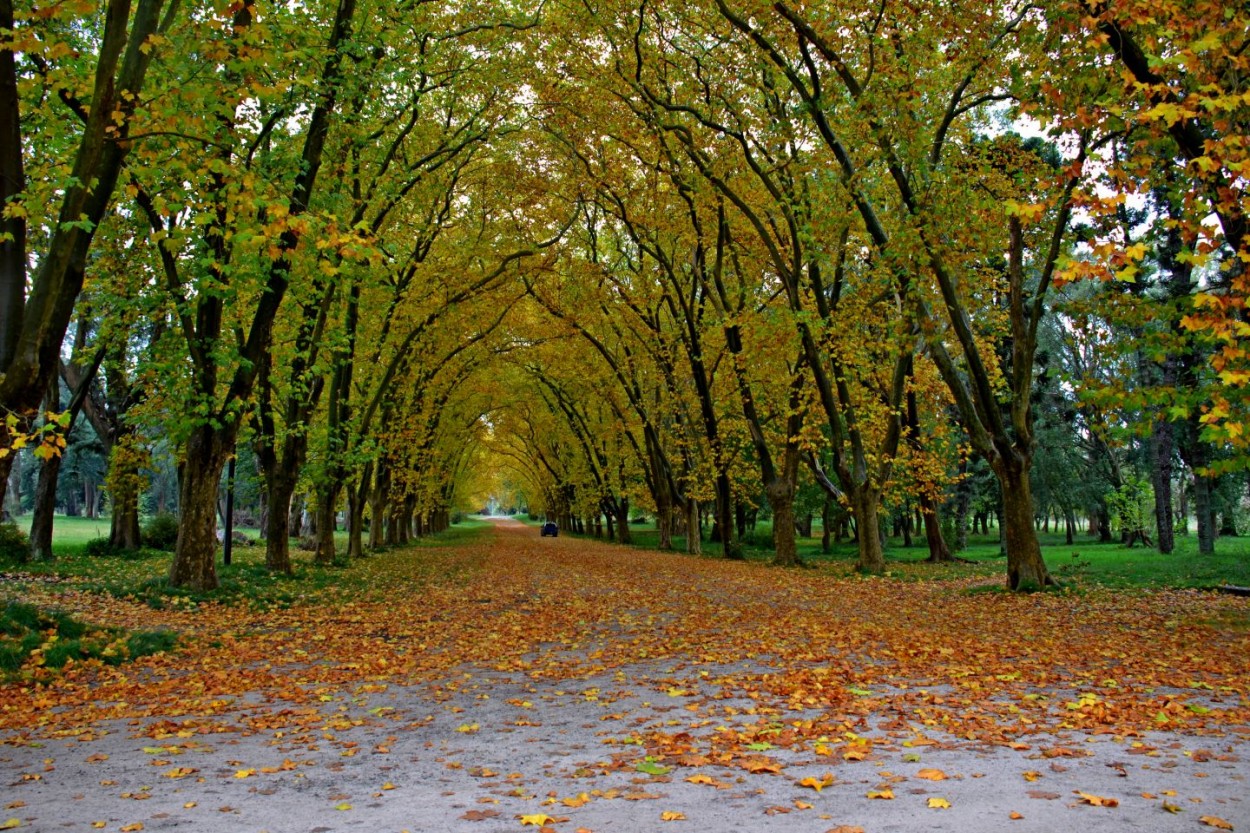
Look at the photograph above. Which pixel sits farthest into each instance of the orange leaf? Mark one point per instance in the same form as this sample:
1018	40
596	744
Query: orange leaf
1014	816
1215	821
817	784
931	775
886	794
672	815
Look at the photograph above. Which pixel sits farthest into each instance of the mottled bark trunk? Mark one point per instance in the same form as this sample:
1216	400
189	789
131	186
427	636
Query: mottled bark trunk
326	526
694	541
622	522
785	546
280	489
45	508
865	503
1026	568
1161	448
938	550
194	565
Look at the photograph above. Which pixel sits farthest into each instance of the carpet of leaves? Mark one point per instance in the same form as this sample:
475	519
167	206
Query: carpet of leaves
759	659
988	666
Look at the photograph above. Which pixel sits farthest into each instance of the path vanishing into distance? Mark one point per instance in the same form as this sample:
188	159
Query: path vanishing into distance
505	681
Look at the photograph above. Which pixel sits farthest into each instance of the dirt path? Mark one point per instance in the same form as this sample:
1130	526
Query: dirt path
518	681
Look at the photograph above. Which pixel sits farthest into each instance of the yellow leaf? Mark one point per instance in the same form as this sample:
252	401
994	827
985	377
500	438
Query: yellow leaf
672	815
10	824
1032	775
931	774
802	805
939	804
886	794
244	773
1097	800
702	779
817	784
189	805
388	786
1171	808
468	728
536	819
132	828
1215	821
578	801
343	806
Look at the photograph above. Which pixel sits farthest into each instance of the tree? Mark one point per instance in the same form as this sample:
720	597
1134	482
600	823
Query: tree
35	316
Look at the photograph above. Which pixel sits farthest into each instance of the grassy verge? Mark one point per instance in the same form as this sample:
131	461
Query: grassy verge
1084	562
32	639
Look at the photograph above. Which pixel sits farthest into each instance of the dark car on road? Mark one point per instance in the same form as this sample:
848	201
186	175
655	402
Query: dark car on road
551	529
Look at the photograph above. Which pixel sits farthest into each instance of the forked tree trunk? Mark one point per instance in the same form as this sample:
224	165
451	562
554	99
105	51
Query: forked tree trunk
194	565
1025	567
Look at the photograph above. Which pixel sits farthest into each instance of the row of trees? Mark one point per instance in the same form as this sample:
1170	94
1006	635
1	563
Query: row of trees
631	253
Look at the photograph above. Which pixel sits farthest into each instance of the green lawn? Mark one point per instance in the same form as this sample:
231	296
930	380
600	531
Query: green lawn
1085	561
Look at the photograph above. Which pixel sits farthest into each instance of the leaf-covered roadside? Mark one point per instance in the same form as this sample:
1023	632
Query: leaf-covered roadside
820	656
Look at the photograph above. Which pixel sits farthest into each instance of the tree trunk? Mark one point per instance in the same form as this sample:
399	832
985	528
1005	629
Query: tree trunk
280	488
865	506
939	552
694	537
785	546
1069	519
194	565
327	524
45	508
125	490
664	524
826	519
1025	567
622	521
1161	447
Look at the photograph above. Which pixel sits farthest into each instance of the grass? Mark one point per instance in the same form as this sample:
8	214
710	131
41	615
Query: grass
1084	562
31	636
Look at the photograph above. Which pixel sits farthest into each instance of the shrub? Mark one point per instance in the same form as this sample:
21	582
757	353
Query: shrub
161	532
13	543
98	547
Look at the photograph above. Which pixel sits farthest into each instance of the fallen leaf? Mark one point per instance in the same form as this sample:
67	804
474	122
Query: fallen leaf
131	828
343	806
886	794
579	800
1215	821
1097	800
9	824
672	815
1014	816
1032	775
480	815
939	804
845	828
244	773
932	775
817	784
1171	808
536	819
802	805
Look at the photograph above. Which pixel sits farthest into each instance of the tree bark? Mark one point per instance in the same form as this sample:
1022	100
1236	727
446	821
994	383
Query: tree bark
865	504
1026	570
194	565
623	535
280	488
939	552
1161	447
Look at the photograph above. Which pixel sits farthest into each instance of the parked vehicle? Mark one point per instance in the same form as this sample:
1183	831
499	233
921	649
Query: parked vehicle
551	529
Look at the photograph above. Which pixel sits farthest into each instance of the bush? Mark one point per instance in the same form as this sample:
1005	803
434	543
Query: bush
99	547
14	545
161	532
